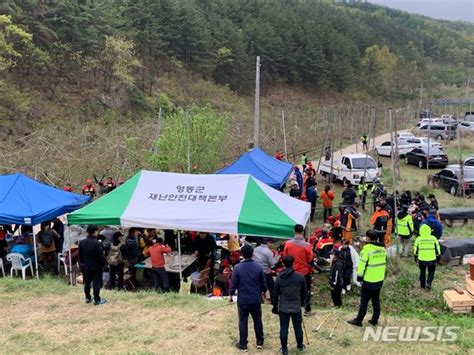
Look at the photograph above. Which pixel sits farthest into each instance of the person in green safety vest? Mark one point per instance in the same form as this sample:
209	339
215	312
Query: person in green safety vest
371	271
405	229
304	161
365	141
362	192
426	251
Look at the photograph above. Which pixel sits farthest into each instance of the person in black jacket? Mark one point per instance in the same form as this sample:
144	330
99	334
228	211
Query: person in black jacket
290	293
91	256
131	252
336	280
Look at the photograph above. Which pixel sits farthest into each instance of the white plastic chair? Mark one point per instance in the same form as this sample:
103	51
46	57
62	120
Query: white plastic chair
62	260
2	267
19	263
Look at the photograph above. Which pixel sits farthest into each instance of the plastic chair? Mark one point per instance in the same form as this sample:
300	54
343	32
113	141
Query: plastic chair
19	263
62	259
2	267
202	280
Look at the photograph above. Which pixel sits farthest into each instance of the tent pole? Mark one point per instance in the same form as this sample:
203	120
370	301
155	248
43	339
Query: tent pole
70	253
179	256
36	255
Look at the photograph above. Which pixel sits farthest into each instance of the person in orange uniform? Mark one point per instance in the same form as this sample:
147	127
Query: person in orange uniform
159	277
327	196
301	251
89	188
349	216
379	222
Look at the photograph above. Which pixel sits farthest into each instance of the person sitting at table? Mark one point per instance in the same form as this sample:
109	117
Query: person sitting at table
205	251
159	277
23	248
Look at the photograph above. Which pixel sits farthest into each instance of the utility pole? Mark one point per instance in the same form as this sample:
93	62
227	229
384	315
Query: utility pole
374	133
284	133
394	178
188	128
256	115
420	105
158	130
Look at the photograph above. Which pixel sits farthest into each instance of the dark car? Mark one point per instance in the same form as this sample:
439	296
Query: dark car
449	179
419	157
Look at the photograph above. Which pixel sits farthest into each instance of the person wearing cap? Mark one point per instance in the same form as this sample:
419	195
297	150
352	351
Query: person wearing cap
418	217
248	280
264	256
290	293
387	207
89	189
426	252
91	256
433	202
302	252
68	187
434	224
295	190
336	280
311	195
371	272
299	177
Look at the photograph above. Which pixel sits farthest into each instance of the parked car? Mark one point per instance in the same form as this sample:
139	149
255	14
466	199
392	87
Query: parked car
427	114
466	126
403	136
449	179
427	121
449	119
420	157
385	149
469	116
418	142
469	161
439	131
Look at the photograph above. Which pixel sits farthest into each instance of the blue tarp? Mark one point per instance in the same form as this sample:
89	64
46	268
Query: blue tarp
27	201
261	166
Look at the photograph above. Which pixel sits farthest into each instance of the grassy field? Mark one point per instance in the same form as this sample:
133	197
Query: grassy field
49	316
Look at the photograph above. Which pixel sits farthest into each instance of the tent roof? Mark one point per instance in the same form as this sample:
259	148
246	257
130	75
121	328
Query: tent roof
236	204
261	166
27	201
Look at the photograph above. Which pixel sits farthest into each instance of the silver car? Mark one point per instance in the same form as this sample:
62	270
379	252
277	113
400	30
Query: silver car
438	131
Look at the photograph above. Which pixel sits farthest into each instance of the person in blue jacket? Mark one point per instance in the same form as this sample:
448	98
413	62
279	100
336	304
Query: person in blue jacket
248	279
299	178
435	225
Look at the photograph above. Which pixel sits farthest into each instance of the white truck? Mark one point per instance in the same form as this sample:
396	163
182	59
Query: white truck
350	168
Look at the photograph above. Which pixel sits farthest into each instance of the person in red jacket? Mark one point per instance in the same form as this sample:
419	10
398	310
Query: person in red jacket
159	276
89	188
302	252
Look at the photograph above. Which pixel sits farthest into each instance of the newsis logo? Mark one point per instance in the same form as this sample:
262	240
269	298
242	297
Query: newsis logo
392	334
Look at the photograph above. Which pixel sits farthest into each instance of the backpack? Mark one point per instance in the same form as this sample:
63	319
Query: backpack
115	255
46	239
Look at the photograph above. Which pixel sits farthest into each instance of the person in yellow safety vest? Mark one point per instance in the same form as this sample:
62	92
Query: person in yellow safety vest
365	141
405	229
427	250
371	271
362	192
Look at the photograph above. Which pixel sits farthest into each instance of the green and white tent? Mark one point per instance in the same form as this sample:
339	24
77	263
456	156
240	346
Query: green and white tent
236	204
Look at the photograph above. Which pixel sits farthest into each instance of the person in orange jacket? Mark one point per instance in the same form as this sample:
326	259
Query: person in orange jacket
89	188
349	216
327	196
379	222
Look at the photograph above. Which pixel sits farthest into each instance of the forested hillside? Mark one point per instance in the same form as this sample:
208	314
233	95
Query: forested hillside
95	63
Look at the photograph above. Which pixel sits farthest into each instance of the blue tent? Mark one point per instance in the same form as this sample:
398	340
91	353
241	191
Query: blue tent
27	201
261	166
